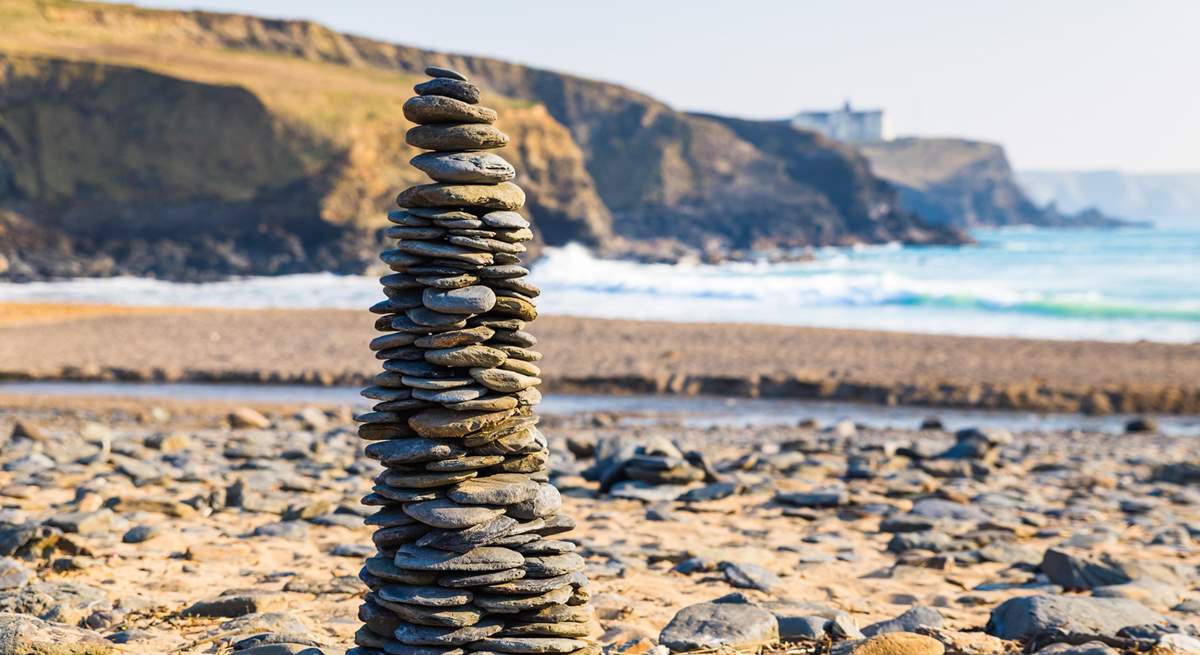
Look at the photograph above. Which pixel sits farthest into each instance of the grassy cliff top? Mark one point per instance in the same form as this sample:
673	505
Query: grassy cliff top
921	162
311	77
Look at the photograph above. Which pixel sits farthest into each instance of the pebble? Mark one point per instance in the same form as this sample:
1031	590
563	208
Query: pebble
460	167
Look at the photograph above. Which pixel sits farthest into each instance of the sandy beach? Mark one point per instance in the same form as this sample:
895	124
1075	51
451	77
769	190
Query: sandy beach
158	511
611	356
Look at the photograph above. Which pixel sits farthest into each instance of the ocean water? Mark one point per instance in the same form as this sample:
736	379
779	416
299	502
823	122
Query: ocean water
1106	284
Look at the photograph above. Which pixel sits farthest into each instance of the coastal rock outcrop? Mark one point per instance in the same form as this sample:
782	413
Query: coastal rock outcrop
468	553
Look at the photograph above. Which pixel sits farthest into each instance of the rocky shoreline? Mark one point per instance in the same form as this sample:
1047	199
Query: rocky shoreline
132	527
56	342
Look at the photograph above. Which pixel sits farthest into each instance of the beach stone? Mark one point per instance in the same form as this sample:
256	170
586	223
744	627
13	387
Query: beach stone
463	540
893	643
467	300
547	502
717	625
21	634
454	396
245	417
451	88
444	423
441	71
507	604
501	489
481	579
750	576
432	636
424	110
464	167
453	338
447	514
235	603
1024	617
503	381
553	565
478	560
909	621
1078	572
466	136
473	356
530	644
426	596
412	450
505	219
504	195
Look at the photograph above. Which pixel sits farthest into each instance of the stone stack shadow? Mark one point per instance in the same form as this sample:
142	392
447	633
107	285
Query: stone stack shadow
468	555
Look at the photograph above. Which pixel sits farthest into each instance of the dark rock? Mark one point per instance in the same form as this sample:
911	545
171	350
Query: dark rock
909	621
1027	616
714	625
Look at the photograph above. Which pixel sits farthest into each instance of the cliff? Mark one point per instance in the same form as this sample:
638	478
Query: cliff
964	183
197	145
1147	196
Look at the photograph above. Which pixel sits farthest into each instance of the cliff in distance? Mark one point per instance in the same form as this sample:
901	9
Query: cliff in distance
1167	197
194	145
963	183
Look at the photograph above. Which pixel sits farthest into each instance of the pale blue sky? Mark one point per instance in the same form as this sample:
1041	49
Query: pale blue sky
1064	84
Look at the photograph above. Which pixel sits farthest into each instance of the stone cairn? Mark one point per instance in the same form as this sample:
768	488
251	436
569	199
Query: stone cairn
467	519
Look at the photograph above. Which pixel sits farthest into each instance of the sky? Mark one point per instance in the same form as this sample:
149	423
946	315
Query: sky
1063	84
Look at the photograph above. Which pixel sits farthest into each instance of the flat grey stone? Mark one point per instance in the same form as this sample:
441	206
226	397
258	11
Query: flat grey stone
474	355
531	644
463	136
547	502
467	300
1023	617
463	540
451	88
412	450
477	560
448	515
716	625
442	71
500	489
481	579
445	423
427	596
471	167
424	110
420	635
510	604
548	566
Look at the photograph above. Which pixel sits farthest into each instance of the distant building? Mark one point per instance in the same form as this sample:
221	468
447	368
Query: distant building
846	124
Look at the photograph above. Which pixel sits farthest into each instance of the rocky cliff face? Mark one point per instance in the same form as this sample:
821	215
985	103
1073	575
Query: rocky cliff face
195	145
962	183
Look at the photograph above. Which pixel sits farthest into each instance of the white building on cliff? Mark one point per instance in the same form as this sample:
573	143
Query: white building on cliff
846	124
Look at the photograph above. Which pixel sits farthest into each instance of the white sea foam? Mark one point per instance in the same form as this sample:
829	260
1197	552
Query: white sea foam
1123	285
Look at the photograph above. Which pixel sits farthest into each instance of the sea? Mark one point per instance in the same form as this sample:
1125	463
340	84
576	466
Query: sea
1122	284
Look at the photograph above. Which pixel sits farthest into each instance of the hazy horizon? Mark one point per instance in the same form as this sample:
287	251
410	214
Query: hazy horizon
1049	82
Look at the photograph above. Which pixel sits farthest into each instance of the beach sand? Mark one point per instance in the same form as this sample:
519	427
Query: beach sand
290	543
617	356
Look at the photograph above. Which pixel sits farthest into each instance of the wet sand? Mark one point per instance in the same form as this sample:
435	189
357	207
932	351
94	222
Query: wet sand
611	356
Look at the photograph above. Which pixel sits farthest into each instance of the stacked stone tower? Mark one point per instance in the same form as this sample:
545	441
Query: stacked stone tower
467	526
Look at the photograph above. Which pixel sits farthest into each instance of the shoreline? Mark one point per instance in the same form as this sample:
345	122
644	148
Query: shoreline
44	342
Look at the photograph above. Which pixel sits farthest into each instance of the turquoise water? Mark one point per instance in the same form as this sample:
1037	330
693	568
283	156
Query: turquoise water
1108	284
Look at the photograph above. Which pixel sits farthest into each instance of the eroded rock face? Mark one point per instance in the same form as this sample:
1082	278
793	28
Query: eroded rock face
465	506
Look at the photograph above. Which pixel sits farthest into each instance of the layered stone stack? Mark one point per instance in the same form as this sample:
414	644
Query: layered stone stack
468	557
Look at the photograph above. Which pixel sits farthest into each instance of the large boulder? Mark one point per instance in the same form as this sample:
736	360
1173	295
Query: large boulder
713	625
1025	617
